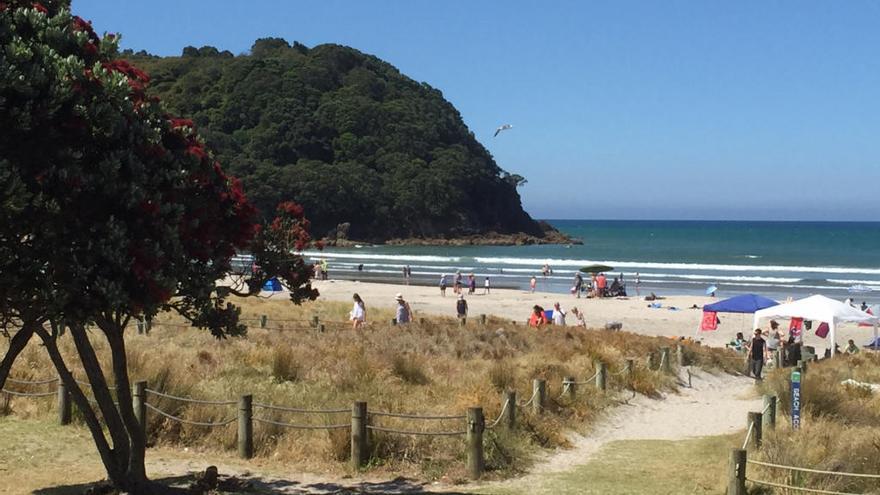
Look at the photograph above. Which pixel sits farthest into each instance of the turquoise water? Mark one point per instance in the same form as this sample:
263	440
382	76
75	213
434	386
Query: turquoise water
778	259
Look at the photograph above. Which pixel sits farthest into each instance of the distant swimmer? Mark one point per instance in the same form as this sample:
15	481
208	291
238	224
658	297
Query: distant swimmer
502	128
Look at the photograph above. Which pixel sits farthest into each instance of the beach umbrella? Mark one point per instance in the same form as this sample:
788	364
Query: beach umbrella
596	268
711	290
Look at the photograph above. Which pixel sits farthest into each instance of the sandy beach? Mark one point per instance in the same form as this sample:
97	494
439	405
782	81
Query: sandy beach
634	313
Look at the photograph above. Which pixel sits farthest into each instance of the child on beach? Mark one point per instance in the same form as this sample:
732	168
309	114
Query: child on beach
358	315
578	318
486	286
443	285
532	283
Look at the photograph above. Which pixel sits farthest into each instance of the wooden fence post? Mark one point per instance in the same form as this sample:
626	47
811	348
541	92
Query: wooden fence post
770	411
755	422
510	401
665	363
475	426
539	391
802	367
315	321
679	354
148	325
264	320
649	361
321	328
139	404
571	389
63	404
246	426
601	375
358	434
140	327
777	358
737	472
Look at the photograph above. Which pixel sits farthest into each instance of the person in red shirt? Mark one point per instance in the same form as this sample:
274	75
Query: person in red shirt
537	319
601	283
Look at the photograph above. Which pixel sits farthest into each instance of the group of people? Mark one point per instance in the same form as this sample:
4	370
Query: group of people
539	317
458	285
358	314
598	286
321	272
763	345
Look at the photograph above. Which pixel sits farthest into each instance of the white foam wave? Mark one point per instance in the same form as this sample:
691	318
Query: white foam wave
537	262
394	257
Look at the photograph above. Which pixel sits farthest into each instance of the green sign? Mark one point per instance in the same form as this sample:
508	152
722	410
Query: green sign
795	399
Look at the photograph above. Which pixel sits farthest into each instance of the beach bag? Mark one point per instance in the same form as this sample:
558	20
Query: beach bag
822	330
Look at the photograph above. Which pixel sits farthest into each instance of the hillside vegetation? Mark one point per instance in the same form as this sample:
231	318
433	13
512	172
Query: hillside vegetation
346	135
430	368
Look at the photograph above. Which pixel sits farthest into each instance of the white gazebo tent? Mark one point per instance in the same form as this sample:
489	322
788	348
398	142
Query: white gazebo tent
820	308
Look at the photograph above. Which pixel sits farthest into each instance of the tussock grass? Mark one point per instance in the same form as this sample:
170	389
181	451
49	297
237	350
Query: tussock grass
435	367
840	427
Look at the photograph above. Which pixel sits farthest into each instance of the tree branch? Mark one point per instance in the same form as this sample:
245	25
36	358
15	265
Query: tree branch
18	343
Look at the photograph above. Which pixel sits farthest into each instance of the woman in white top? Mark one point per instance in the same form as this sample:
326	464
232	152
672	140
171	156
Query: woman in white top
358	315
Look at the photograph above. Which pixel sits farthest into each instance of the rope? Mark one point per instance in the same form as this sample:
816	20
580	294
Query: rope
27	382
300	411
186	421
526	403
413	416
423	433
493	424
302	427
748	435
194	401
816	471
766	408
799	489
565	386
27	394
585	382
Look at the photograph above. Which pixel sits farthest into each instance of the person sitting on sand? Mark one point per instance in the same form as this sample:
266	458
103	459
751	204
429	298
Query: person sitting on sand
739	343
358	315
537	319
578	318
851	347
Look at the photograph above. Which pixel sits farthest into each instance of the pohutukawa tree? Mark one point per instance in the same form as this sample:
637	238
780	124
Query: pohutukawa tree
110	209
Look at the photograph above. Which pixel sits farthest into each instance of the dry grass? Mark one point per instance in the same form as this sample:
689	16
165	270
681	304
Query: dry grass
840	429
434	367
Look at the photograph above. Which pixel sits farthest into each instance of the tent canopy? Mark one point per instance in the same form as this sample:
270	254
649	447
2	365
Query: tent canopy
818	308
746	303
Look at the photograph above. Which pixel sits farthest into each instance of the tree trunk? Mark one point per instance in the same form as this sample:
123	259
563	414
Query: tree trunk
16	345
92	367
114	471
135	471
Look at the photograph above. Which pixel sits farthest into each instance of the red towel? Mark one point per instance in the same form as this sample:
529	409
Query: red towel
796	326
710	321
822	331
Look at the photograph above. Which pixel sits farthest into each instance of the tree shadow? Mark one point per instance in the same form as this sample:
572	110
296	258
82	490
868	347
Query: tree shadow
177	485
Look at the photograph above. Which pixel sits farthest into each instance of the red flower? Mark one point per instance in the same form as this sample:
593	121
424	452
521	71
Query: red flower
176	122
90	49
39	8
80	24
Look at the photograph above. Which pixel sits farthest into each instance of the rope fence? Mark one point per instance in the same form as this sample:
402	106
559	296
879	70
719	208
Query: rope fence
187	421
363	421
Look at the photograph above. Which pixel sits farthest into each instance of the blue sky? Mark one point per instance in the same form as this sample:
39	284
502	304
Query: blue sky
764	110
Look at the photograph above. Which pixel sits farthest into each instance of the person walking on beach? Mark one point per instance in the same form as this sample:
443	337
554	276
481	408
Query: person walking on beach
324	267
456	284
461	309
404	312
578	285
757	350
638	283
405	276
558	315
486	286
532	283
472	284
443	285
358	315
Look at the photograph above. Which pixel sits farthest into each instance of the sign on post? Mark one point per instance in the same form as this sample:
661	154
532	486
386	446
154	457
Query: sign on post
795	399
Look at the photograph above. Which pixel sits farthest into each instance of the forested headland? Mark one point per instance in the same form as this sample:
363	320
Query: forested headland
371	154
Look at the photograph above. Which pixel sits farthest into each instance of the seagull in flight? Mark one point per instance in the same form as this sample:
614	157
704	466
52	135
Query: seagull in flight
502	128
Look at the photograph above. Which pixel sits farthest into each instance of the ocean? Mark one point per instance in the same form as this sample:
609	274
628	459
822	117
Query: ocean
775	259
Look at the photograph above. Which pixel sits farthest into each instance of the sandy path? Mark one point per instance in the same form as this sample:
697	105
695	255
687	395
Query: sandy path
715	405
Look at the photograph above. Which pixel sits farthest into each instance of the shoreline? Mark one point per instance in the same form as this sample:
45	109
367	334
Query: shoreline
675	317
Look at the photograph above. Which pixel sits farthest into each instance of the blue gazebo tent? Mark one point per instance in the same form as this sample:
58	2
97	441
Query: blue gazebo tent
746	303
272	285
